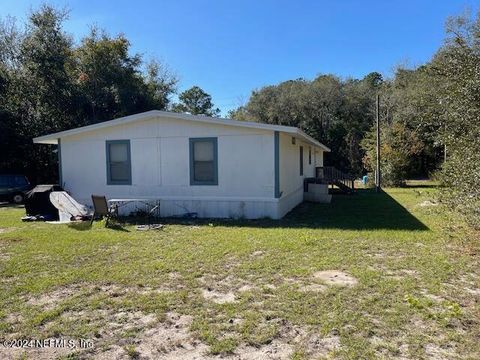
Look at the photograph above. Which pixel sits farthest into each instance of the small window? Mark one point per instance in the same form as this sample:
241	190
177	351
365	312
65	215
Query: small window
119	171
310	155
301	160
203	161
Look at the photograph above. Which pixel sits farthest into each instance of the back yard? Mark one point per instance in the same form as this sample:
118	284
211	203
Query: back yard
389	275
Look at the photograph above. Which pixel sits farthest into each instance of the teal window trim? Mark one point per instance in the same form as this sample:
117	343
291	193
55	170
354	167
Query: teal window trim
107	150
301	160
59	155
277	163
192	141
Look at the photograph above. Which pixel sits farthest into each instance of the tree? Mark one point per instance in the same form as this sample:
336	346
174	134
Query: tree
408	105
335	112
457	64
112	82
39	94
161	84
197	102
47	84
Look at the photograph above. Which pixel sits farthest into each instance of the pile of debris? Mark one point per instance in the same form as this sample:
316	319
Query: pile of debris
51	203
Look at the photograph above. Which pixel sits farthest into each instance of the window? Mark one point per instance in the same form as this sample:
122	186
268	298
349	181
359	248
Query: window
203	161
309	155
301	160
119	170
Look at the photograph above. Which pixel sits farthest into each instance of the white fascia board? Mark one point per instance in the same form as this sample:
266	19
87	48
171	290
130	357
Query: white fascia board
53	138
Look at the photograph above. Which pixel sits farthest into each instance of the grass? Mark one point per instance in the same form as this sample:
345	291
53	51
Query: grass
417	292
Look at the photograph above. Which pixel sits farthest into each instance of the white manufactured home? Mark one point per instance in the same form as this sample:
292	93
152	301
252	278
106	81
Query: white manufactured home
209	166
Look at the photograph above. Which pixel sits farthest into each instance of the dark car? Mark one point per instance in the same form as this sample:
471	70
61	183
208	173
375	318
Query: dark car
13	188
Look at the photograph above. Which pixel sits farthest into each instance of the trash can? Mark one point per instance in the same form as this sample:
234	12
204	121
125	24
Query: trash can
365	180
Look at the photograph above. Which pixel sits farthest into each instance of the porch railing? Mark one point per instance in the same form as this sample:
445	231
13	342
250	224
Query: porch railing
331	175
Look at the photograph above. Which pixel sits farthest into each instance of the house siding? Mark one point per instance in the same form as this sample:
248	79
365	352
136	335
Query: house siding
258	169
291	182
160	166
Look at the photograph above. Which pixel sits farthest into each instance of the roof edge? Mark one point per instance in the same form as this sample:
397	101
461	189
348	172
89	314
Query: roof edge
53	138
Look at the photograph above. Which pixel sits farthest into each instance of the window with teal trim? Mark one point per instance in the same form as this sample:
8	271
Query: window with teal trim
203	161
119	166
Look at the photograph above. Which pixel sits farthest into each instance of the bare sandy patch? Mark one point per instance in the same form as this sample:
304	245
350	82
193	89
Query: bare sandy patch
217	296
270	286
246	287
113	352
129	320
383	348
222	290
475	292
428	203
409	272
7	230
111	323
174	275
274	350
113	290
318	346
281	347
377	254
289	338
171	340
335	277
313	288
436	352
236	321
257	253
51	299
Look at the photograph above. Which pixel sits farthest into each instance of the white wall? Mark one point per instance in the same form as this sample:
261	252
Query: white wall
291	182
161	168
161	164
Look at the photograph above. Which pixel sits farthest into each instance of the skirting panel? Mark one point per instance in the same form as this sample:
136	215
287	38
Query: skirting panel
209	208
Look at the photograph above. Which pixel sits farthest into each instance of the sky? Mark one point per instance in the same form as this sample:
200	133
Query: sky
230	48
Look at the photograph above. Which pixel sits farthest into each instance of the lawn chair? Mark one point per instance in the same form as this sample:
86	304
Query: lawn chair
102	209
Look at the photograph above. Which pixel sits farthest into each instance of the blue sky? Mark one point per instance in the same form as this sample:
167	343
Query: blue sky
231	47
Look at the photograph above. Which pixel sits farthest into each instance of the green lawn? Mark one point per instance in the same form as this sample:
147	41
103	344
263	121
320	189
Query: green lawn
407	287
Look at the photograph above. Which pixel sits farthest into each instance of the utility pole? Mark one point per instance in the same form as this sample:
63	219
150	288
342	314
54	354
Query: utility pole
378	174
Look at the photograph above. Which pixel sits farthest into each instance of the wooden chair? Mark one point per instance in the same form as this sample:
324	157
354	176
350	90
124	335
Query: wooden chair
101	209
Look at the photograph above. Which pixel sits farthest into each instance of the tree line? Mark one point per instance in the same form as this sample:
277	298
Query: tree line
48	83
430	118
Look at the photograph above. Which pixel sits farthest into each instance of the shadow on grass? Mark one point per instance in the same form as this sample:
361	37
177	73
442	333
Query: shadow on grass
367	210
85	226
